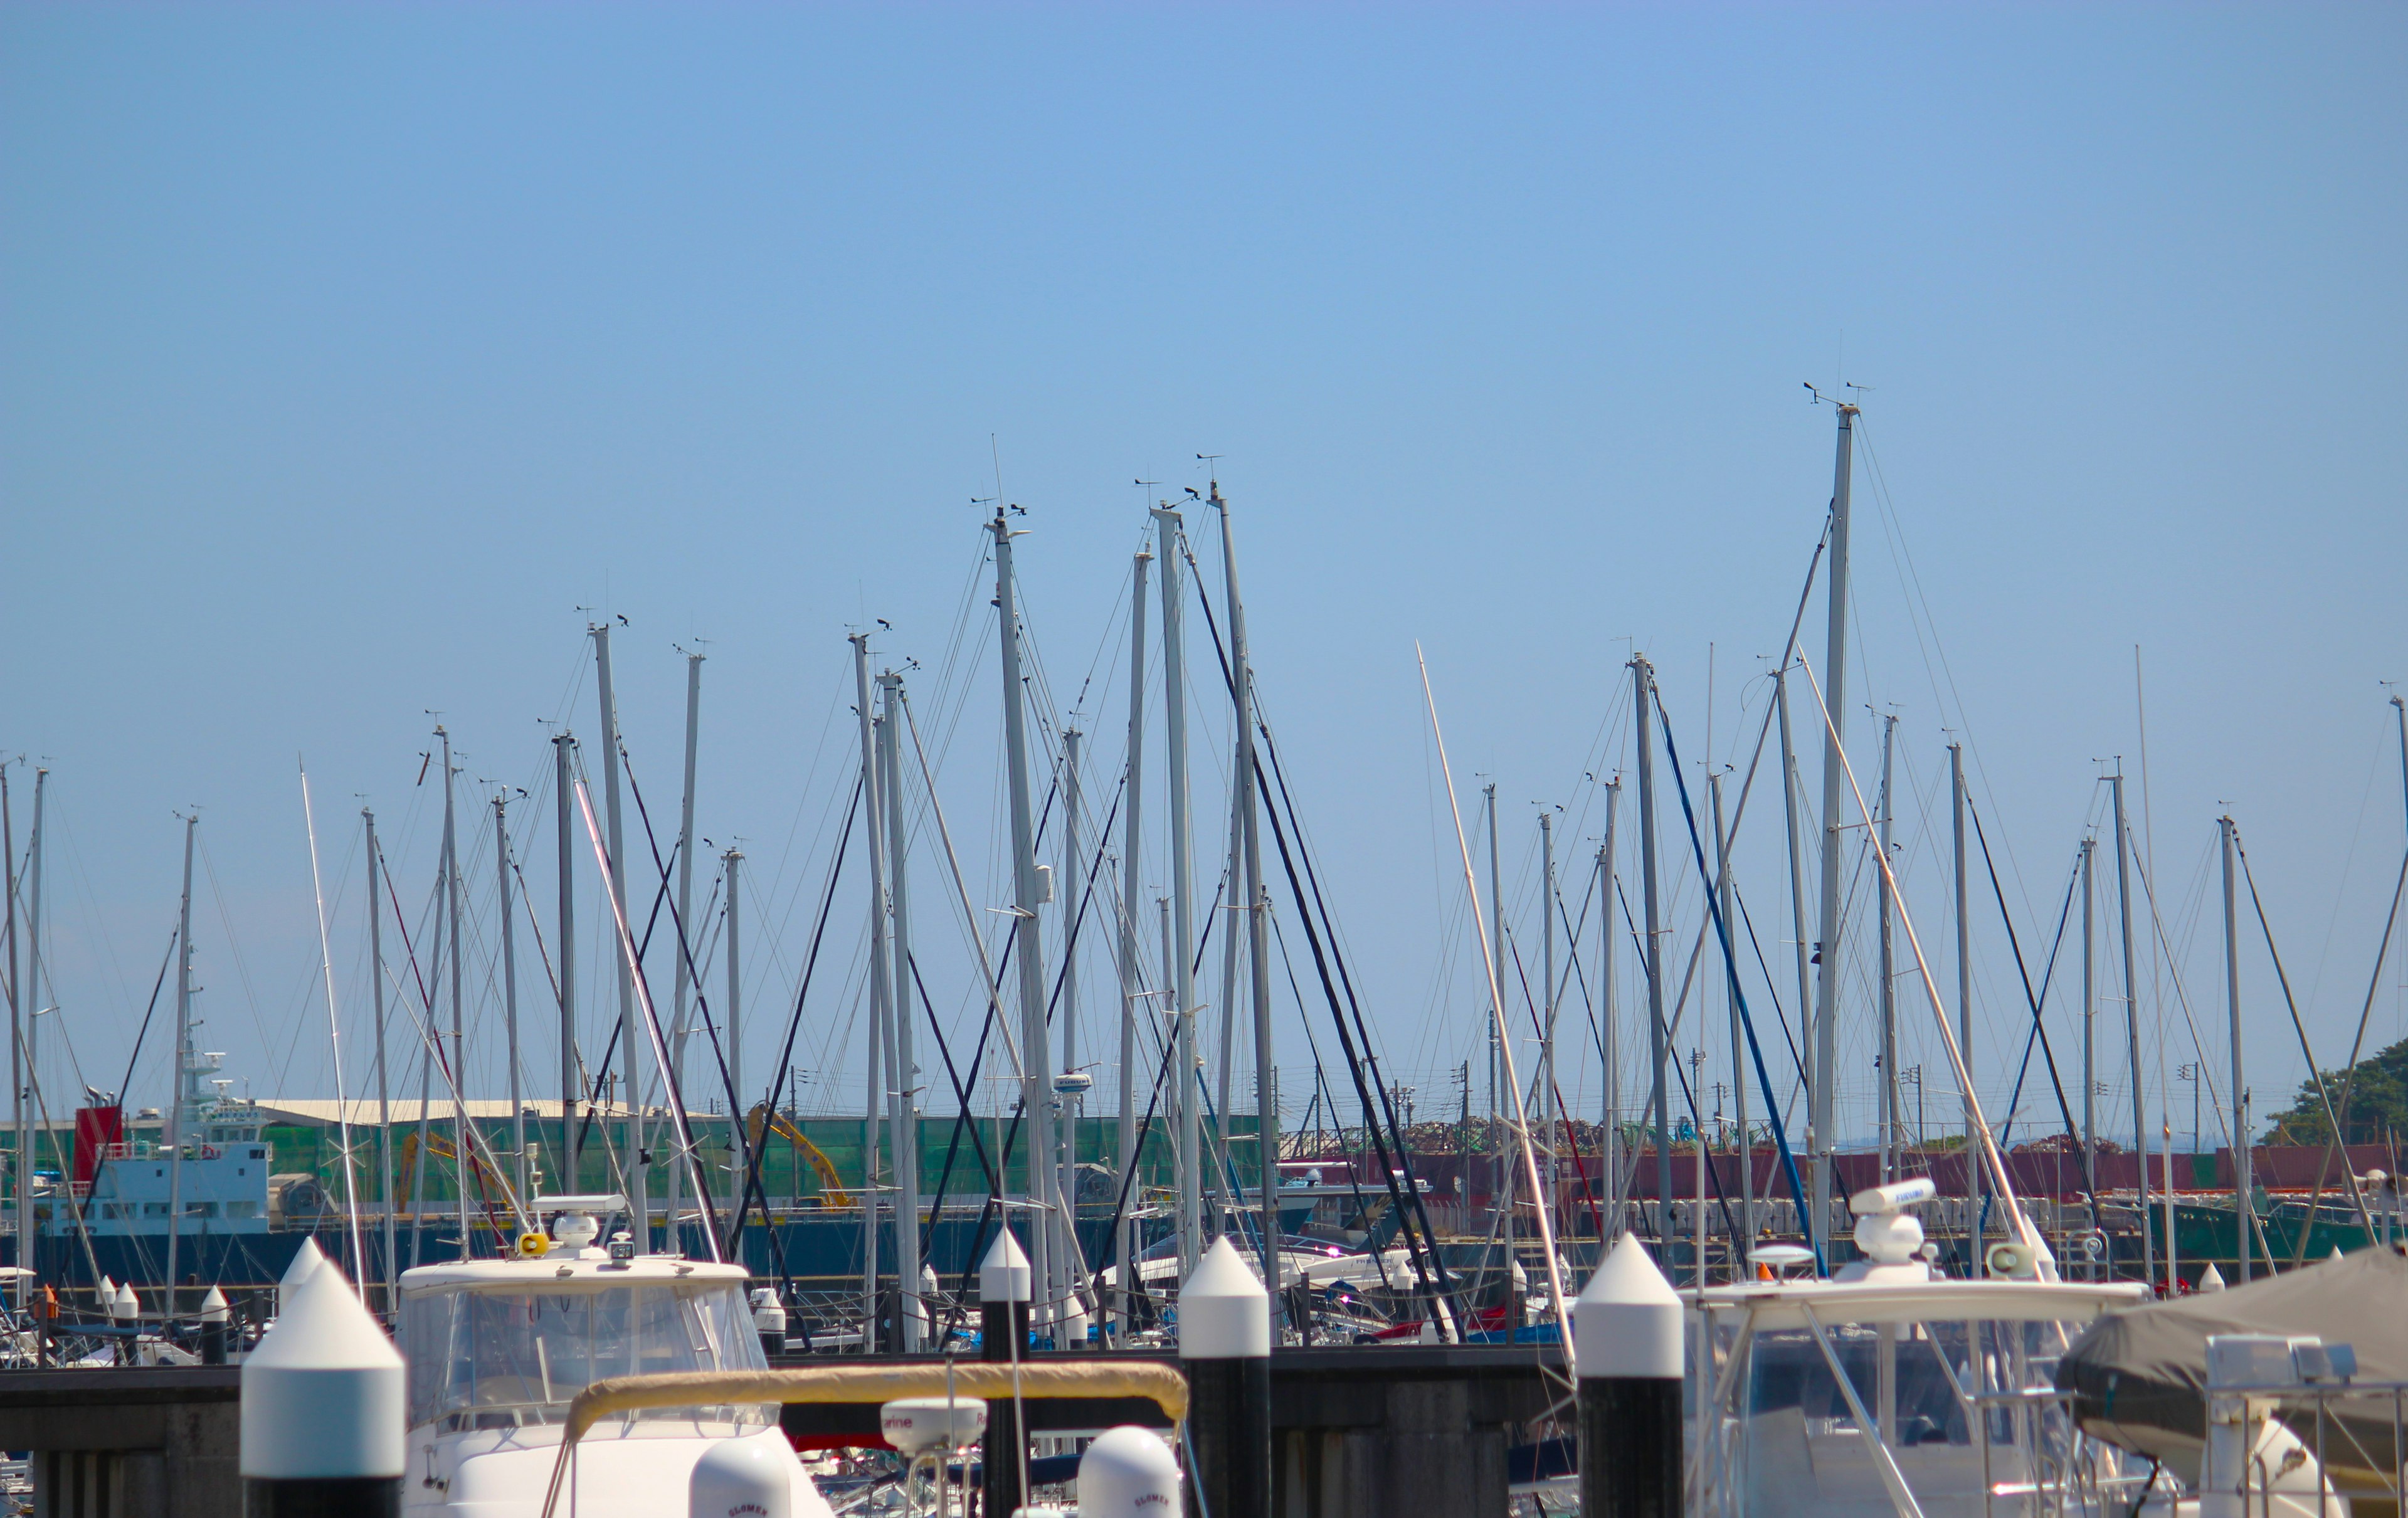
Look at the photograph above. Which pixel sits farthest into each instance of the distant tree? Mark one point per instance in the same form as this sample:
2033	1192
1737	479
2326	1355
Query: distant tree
2378	1103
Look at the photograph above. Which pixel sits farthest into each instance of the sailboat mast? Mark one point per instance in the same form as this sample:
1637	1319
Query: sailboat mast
682	979
384	1080
1609	888
2242	1198
460	1141
562	746
738	1111
874	837
2090	1031
1124	1252
904	1139
1183	889
1028	947
1643	686
639	1201
1889	1142
510	998
1975	1179
184	1031
1548	1114
2132	1037
1065	1102
19	1114
1502	1188
1792	787
1821	1136
1725	904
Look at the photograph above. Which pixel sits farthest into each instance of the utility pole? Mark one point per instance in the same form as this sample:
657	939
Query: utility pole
1182	890
1124	1252
1028	947
2132	1029
564	747
1835	706
384	1085
1974	1183
1889	968
682	980
1643	682
2242	1199
904	1137
880	995
638	1154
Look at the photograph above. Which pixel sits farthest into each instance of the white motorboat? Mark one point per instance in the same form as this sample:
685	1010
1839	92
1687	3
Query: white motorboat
497	1350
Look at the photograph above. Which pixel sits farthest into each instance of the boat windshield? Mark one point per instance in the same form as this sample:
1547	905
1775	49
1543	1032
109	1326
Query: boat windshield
496	1357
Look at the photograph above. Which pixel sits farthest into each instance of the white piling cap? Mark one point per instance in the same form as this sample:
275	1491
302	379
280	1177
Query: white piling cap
743	1478
1628	1322
1003	1275
2211	1279
324	1394
1127	1472
306	1261
125	1306
929	1285
2336	1253
1223	1313
213	1307
105	1293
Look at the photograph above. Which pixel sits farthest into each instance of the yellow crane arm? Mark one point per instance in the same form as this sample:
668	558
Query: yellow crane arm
766	1118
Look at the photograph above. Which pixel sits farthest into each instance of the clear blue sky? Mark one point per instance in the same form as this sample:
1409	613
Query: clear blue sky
351	351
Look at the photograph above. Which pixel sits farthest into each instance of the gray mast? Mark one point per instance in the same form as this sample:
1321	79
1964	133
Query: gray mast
874	837
562	746
1642	684
2242	1198
384	1084
904	1137
1028	947
1727	905
683	979
1835	706
1792	787
510	996
2132	1026
183	1029
2090	1030
1066	1101
460	1142
630	1032
1547	1111
1256	900
1124	1253
743	1132
1973	1178
1183	887
1889	1144
1608	883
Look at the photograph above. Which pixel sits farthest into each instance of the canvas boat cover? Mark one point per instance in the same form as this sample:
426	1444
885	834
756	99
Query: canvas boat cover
2139	1378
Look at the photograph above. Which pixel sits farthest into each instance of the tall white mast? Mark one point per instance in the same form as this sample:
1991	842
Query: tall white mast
630	1032
1974	1186
881	996
2090	1032
1501	1195
1642	684
175	1125
19	1112
385	1082
1548	1113
904	1138
1182	890
460	1141
743	1133
1727	905
2242	1199
1889	1142
2132	1028
563	747
510	1000
1066	1101
686	936
1821	1136
1256	903
1028	946
1609	884
1124	1253
1792	788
